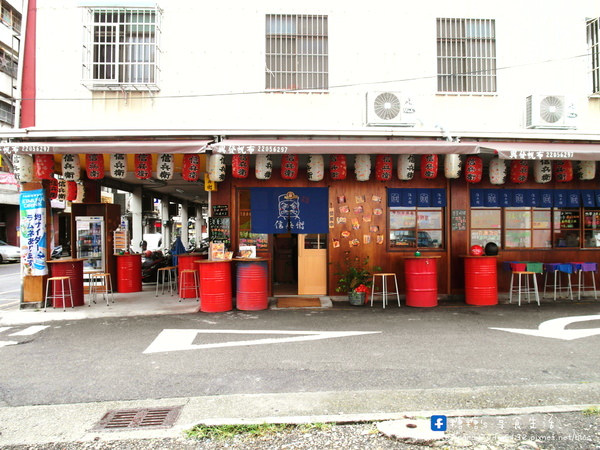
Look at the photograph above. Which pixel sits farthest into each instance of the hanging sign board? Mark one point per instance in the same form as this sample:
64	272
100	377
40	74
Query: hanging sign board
220	210
459	220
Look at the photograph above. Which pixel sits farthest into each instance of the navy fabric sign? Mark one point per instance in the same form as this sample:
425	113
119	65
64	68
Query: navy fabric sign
411	197
541	198
288	209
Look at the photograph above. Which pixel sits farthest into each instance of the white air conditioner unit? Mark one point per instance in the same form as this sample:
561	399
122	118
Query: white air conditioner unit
550	111
390	109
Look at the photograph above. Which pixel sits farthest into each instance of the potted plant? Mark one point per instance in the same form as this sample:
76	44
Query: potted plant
355	278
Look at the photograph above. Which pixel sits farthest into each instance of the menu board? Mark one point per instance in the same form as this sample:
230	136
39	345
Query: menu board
220	210
459	219
219	230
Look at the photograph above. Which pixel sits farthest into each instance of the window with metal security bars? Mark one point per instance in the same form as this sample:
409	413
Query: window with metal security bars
7	113
466	53
10	17
120	48
593	35
296	52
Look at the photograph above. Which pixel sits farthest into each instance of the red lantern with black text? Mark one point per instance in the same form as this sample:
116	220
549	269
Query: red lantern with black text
563	171
338	168
143	166
429	166
240	166
519	171
53	189
44	166
473	169
94	166
191	167
289	167
71	190
383	167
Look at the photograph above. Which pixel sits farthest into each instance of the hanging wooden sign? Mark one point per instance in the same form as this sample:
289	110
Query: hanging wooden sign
289	167
44	166
473	169
118	165
429	166
338	168
94	166
191	167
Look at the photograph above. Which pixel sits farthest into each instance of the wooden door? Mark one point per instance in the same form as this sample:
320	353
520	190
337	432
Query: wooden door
312	264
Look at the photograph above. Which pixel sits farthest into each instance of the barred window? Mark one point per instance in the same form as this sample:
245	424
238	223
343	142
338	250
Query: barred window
7	113
466	53
121	48
296	52
10	17
593	34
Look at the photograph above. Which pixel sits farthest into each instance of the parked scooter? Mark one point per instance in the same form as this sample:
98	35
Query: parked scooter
151	262
57	252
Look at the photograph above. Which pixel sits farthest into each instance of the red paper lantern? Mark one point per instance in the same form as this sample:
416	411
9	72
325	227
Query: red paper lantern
44	166
519	170
191	167
94	166
429	166
563	171
53	189
477	250
143	166
289	167
240	166
71	190
473	169
338	168
383	167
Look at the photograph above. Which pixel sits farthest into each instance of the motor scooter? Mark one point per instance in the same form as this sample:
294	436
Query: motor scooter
151	262
57	252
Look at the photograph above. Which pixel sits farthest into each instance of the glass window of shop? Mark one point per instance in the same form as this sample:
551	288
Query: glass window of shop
536	227
246	237
412	227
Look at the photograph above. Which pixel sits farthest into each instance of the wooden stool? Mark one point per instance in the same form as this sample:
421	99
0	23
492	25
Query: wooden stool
100	282
55	284
523	286
166	275
384	290
195	282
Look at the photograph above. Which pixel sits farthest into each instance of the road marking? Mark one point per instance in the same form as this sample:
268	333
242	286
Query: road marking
30	330
170	340
555	328
10	292
3	329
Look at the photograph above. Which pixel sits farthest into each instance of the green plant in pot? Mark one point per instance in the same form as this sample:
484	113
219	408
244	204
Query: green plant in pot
356	278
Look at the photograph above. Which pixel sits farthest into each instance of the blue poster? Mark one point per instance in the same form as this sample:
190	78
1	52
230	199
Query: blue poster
289	210
33	232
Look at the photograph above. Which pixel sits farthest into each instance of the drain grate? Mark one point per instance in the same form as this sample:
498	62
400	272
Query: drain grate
127	419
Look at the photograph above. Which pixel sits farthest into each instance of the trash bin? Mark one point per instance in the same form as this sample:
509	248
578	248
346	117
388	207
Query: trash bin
481	280
215	286
421	281
251	282
129	273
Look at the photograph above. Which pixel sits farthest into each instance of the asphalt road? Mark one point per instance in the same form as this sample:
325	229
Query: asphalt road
448	350
10	285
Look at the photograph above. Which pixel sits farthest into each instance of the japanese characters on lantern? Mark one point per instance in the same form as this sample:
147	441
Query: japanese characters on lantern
406	167
519	171
71	167
263	167
240	166
94	166
542	171
165	166
315	167
452	166
118	165
44	166
289	167
362	167
143	166
563	171
383	167
473	169
338	168
191	167
429	166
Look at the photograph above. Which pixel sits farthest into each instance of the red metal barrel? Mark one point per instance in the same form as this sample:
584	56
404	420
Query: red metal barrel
129	273
215	286
74	270
251	284
481	281
187	261
421	281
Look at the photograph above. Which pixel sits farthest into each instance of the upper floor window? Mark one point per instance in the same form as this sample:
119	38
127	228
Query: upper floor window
466	54
296	52
593	34
120	48
11	18
7	113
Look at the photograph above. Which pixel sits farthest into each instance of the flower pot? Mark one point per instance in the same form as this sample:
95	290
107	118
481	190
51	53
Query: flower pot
357	298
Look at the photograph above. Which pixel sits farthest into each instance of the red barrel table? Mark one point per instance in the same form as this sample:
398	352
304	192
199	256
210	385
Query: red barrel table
129	273
420	274
72	268
481	280
215	285
187	261
251	281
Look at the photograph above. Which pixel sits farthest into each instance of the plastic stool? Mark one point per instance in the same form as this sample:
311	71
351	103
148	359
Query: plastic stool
194	285
104	282
582	268
384	290
166	275
557	270
55	282
523	286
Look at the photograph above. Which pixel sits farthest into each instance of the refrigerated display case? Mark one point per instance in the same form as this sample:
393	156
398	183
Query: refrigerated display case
91	245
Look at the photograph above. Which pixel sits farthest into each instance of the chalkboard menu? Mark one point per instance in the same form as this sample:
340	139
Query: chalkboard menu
220	210
459	220
219	230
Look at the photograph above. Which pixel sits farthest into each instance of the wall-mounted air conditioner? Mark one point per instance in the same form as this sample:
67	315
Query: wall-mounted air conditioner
389	108
550	111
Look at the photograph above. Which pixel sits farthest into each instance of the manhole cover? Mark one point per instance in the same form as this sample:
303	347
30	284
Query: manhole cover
127	419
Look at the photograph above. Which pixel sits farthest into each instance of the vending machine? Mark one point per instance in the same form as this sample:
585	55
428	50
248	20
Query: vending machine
91	242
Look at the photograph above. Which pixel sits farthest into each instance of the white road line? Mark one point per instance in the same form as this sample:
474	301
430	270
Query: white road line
3	329
30	330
